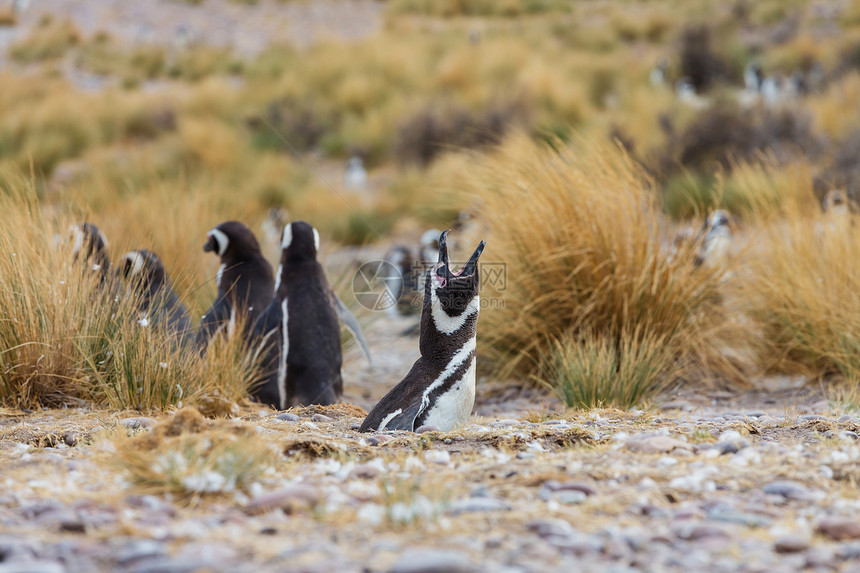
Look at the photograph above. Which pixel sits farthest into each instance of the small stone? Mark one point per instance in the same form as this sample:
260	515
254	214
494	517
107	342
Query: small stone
440	457
819	558
695	531
506	423
290	498
70	439
730	446
137	423
432	561
787	489
839	528
139	550
73	526
364	471
551	527
677	405
478	505
321	418
427	428
655	444
287	417
570	497
791	544
570	486
355	427
32	567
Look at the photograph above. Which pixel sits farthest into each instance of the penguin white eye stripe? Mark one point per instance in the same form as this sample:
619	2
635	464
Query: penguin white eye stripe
316	240
220	239
287	238
136	260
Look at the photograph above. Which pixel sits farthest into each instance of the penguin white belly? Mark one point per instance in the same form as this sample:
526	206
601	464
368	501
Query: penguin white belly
454	407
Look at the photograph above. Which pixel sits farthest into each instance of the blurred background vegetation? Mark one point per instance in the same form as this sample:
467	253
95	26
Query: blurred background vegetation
573	133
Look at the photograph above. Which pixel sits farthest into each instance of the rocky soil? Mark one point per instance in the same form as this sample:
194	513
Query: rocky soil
709	482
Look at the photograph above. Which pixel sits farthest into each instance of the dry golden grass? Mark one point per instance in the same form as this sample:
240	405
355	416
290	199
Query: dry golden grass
579	234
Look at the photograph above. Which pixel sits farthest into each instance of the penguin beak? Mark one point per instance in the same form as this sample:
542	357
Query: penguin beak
472	264
209	246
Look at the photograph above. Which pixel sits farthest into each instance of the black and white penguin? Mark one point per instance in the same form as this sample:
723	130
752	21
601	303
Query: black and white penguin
716	237
439	390
245	280
300	329
158	303
89	245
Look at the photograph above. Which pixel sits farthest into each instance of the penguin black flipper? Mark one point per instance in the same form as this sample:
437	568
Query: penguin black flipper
401	406
212	322
267	338
351	324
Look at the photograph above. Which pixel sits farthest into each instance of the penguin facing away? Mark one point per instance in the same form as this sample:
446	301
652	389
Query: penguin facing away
300	330
157	301
244	279
439	390
89	245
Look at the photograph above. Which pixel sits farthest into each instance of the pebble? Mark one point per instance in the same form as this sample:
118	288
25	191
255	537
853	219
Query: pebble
787	489
791	544
427	428
580	486
287	417
432	561
321	418
478	505
570	497
32	567
551	527
378	439
839	528
139	550
296	496
440	457
137	423
655	444
364	471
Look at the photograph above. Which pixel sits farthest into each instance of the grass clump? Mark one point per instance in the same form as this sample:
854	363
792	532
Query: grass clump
51	40
594	370
578	231
193	460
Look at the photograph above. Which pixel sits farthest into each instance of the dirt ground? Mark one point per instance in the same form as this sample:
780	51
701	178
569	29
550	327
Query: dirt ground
754	482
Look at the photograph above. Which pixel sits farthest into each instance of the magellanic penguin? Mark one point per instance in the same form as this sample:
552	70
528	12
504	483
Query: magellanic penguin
300	329
244	279
158	303
439	390
716	240
89	245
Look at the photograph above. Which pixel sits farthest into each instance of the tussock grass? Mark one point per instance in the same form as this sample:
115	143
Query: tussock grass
69	335
802	292
580	237
193	460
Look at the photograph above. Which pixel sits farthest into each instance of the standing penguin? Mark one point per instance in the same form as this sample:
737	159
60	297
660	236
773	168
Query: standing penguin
300	329
89	245
716	240
439	390
244	279
157	301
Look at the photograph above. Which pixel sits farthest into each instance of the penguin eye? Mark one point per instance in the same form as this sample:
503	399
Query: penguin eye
439	272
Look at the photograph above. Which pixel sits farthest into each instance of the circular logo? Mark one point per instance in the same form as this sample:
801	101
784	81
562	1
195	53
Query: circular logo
377	285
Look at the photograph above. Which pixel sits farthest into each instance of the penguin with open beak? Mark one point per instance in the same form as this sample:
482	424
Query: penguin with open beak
439	390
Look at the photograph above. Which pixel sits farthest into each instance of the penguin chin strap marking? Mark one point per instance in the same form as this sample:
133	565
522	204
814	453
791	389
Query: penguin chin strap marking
450	324
459	358
278	278
388	418
282	357
221	240
136	260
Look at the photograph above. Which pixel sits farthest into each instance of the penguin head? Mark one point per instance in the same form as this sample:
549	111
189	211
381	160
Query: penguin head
143	266
834	201
231	239
717	219
89	244
299	242
454	290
